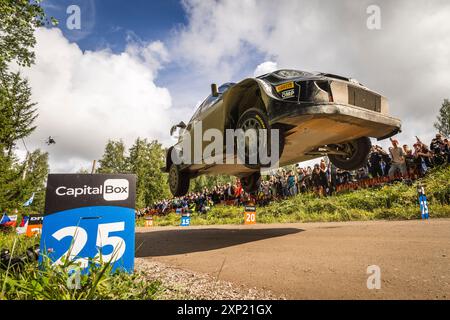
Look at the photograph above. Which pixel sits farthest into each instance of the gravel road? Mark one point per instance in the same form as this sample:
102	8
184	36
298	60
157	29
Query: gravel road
302	260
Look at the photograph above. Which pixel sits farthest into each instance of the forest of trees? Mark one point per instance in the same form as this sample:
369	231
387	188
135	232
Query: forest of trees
19	179
145	159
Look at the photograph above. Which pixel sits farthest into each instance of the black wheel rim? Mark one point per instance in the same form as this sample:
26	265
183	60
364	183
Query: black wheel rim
251	124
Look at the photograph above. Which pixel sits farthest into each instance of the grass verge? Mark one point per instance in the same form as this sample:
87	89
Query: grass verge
52	282
397	201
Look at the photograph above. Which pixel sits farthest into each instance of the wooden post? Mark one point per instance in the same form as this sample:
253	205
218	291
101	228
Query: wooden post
27	159
93	166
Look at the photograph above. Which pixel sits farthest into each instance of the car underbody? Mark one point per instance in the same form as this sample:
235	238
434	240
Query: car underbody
314	131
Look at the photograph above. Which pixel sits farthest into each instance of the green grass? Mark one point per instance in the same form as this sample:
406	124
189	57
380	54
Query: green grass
51	282
390	202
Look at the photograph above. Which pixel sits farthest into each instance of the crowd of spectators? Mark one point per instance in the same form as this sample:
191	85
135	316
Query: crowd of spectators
398	162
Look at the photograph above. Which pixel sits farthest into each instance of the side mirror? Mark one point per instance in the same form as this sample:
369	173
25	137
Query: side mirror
181	125
173	129
214	91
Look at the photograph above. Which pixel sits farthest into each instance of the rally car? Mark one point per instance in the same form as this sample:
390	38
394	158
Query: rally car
316	114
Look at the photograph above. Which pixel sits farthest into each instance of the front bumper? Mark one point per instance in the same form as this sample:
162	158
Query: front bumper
381	126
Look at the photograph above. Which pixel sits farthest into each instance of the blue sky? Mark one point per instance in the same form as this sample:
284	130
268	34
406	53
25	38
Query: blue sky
112	23
109	21
139	66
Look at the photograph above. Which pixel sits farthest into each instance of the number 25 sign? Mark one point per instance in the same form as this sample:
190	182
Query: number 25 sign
90	217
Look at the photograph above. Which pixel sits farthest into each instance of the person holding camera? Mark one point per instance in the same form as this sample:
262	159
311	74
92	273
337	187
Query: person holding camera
437	146
447	150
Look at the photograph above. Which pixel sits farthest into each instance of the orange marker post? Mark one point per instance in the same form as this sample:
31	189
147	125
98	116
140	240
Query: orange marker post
148	222
250	215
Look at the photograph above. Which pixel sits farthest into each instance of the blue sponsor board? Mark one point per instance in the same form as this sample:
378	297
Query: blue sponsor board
424	206
185	221
423	202
88	218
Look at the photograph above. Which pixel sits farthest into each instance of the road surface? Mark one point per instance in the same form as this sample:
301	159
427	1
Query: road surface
313	260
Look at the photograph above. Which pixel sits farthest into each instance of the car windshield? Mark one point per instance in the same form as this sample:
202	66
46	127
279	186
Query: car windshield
223	88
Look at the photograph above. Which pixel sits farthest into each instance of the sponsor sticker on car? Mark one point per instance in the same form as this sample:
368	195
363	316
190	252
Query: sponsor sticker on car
284	86
288	94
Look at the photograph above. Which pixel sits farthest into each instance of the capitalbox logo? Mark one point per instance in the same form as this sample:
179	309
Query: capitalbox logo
115	189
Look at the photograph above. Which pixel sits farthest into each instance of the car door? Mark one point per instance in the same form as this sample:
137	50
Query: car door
188	134
195	130
212	118
196	137
213	113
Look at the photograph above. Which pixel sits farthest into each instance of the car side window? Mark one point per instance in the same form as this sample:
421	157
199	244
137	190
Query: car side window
209	102
196	113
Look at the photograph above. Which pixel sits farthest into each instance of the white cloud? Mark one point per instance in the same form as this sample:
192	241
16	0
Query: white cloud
265	67
407	60
86	98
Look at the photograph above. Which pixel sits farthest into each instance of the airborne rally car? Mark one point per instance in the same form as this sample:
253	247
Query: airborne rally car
316	114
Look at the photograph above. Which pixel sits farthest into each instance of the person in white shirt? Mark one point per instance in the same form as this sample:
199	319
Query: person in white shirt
398	159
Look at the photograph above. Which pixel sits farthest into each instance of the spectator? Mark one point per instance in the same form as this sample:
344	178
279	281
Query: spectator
423	157
291	184
447	150
323	180
324	177
386	163
411	167
398	159
238	190
375	160
437	147
229	192
315	178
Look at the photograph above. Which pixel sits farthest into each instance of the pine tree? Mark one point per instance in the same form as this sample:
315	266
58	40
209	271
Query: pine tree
18	21
114	159
34	172
146	160
443	120
8	179
157	187
17	113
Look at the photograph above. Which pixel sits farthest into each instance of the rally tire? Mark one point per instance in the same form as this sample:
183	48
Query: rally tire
178	181
251	183
255	118
357	159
